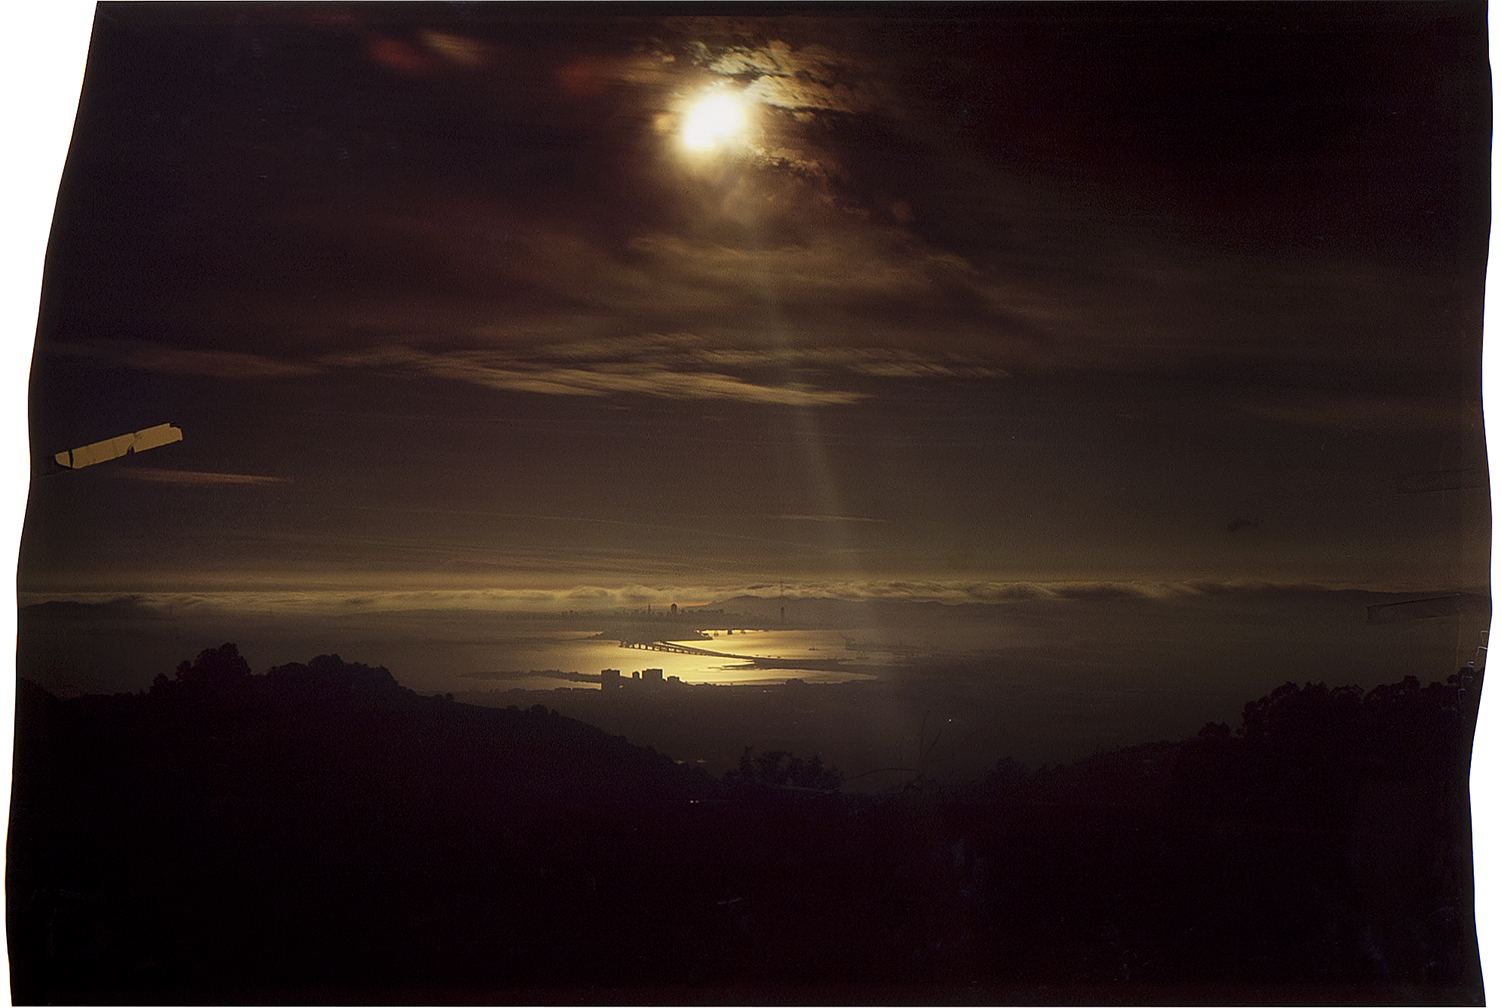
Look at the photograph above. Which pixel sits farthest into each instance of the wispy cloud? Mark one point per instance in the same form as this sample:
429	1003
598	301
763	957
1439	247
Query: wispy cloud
827	518
850	265
1374	413
676	366
797	84
685	366
508	372
191	477
148	356
798	78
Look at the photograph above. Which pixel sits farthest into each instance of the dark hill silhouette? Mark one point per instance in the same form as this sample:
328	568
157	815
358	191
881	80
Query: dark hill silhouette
1328	837
228	830
320	834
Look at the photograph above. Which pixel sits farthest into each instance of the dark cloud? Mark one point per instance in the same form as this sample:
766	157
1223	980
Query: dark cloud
125	608
1099	592
1033	266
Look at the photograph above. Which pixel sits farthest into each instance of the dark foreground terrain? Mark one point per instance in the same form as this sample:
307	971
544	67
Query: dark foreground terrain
320	834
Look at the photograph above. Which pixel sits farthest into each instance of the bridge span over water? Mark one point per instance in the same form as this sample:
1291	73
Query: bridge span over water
811	664
682	649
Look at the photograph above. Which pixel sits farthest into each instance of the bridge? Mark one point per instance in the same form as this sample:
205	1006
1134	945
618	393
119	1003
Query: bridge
811	664
681	649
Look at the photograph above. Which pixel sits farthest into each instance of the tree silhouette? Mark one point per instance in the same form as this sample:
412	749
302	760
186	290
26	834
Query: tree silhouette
218	674
779	768
329	677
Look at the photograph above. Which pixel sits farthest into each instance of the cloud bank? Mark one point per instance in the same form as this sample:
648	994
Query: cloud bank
605	600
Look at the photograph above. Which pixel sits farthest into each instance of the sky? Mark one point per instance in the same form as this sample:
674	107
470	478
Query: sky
462	297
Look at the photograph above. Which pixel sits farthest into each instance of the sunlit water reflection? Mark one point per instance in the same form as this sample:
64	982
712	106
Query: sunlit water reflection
583	652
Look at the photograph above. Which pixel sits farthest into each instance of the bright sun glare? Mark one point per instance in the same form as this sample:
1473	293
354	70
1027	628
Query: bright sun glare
713	122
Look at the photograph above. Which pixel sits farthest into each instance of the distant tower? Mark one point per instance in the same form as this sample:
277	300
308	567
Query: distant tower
652	676
674	608
610	680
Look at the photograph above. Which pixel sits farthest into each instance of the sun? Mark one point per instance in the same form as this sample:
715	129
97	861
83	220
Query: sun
715	121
